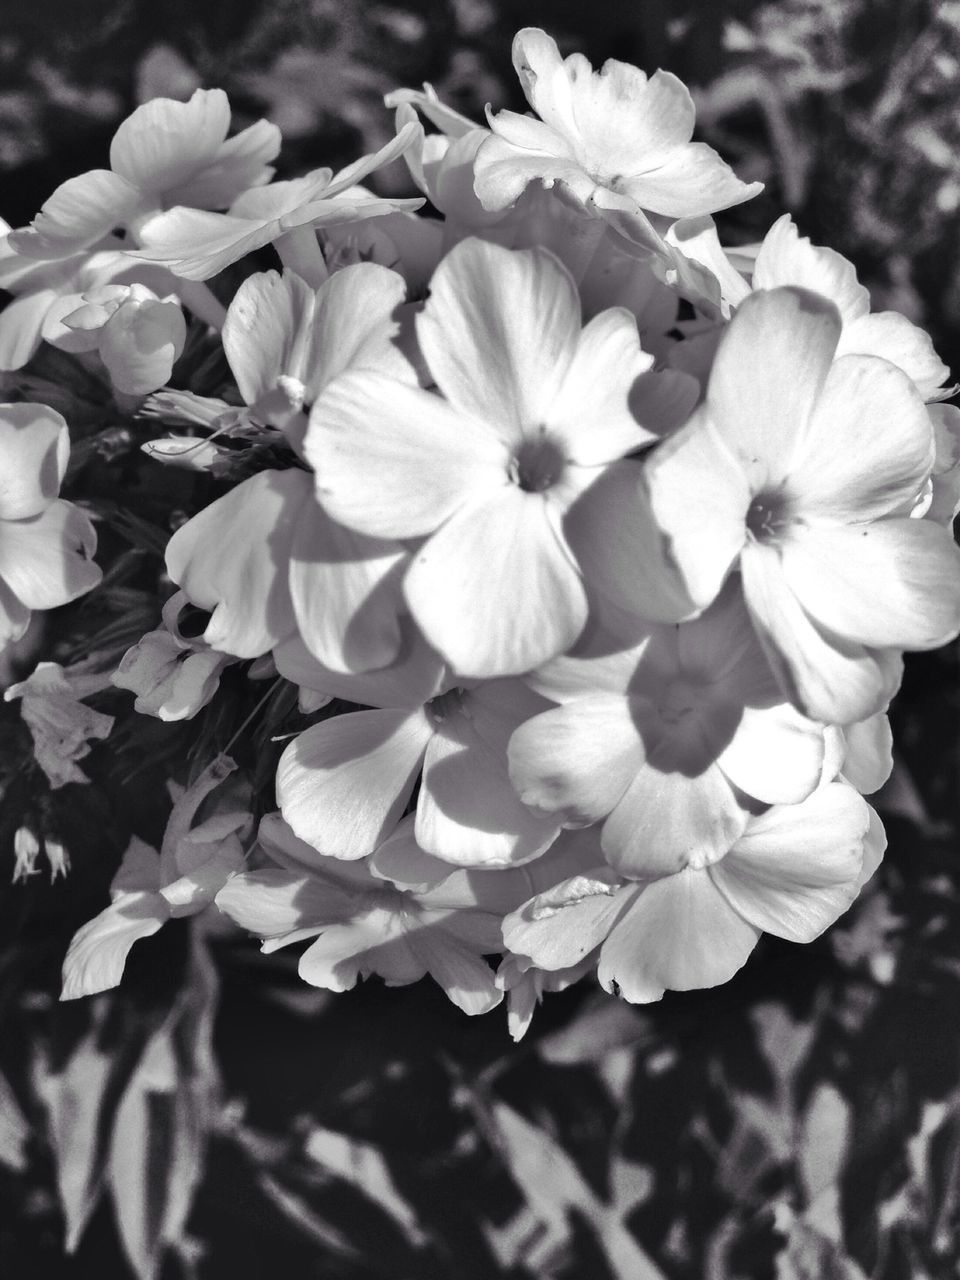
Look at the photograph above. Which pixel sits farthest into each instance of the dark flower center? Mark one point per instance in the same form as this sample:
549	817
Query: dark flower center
537	465
768	515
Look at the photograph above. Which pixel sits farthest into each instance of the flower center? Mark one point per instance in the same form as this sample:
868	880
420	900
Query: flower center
768	515
445	705
537	465
678	700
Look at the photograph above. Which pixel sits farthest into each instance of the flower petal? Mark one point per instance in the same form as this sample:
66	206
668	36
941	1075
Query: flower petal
577	760
34	449
468	812
827	678
47	561
499	332
80	212
869	444
196	244
556	933
262	332
776	754
232	558
241	162
343	784
868	753
164	141
495	590
699	497
346	592
393	461
466	978
593	405
890	584
689	181
98	952
787	258
668	819
797	867
681	934
272	903
769	371
895	338
355	326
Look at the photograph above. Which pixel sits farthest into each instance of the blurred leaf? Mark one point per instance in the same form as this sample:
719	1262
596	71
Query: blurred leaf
14	1130
824	1138
159	1135
362	1165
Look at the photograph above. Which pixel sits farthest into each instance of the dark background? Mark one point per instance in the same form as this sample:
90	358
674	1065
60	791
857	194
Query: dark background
802	1121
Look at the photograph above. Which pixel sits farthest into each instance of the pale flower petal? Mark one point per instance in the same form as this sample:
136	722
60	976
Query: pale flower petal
495	590
343	784
232	558
776	754
98	952
889	584
80	212
797	867
34	449
787	258
577	760
828	679
690	181
393	461
895	338
499	333
47	560
681	934
164	142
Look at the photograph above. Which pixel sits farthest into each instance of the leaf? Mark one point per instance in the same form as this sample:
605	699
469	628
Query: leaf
14	1130
553	1185
824	1139
363	1166
159	1138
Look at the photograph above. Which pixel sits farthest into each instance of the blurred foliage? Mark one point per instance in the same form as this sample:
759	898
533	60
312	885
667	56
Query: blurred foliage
214	1118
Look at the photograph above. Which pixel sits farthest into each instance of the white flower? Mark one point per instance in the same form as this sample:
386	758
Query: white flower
137	335
798	468
614	138
496	475
166	153
61	725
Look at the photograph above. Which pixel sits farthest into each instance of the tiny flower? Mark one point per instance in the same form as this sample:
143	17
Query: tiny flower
614	138
61	725
166	153
173	675
150	888
534	410
795	869
797	468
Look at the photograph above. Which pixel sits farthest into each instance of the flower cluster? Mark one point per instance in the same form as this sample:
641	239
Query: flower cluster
610	538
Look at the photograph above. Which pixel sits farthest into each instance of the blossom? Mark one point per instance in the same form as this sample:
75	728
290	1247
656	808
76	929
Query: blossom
363	926
61	725
173	675
793	871
151	887
197	244
165	153
46	543
534	408
667	741
137	335
343	784
614	138
797	468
